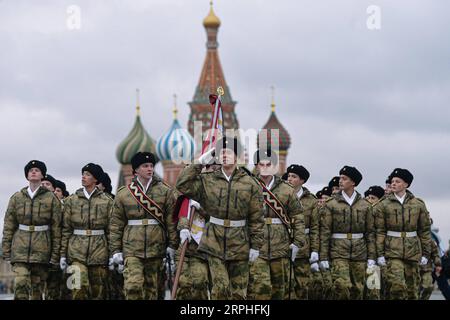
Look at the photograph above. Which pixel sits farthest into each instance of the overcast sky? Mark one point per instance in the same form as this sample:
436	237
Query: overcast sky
348	95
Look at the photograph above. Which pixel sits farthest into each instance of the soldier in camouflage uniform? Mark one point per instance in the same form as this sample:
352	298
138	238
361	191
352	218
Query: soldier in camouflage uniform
234	232
426	278
85	236
271	272
115	273
347	237
372	288
32	233
309	254
194	282
141	237
321	283
403	237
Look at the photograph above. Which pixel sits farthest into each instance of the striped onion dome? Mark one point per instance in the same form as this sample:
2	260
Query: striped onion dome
138	140
176	145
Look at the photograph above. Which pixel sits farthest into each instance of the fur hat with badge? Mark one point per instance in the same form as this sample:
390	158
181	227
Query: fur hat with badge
35	164
352	173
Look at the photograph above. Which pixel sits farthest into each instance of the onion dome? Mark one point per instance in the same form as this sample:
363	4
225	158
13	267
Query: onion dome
177	144
282	137
211	20
138	140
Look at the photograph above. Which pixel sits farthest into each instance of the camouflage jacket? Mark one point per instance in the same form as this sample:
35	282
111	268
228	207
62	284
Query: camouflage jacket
276	236
239	199
391	215
337	216
86	214
310	212
146	241
38	246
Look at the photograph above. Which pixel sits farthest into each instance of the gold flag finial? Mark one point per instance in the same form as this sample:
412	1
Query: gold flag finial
175	109
272	105
138	107
220	91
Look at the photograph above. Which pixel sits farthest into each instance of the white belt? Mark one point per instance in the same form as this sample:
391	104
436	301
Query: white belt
81	232
142	222
307	231
273	221
402	234
347	235
227	222
24	227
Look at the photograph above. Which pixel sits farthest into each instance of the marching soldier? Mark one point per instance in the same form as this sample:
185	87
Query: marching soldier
143	229
115	273
234	232
194	282
321	278
85	236
333	185
347	237
271	274
309	254
403	237
32	233
372	291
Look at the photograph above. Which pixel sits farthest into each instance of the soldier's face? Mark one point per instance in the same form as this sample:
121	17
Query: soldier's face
145	170
46	184
35	175
227	157
345	183
266	168
398	185
88	180
388	189
335	190
58	193
372	199
295	180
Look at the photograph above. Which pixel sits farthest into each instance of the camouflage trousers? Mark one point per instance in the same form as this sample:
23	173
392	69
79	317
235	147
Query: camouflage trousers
229	278
321	285
29	280
193	283
92	283
142	278
54	283
115	285
302	275
402	280
349	279
426	284
268	279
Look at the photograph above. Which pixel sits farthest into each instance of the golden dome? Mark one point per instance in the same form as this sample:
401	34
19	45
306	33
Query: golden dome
211	20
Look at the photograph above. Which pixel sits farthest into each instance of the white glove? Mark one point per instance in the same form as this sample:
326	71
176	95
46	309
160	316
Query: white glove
423	261
324	265
315	267
111	264
120	268
294	249
207	157
185	234
370	263
171	253
195	204
118	258
314	257
253	255
381	261
63	263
